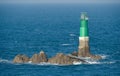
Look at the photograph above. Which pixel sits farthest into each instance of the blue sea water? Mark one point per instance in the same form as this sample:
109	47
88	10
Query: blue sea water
29	28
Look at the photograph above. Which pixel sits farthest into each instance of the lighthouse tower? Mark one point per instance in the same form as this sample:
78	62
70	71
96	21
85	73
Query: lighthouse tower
83	49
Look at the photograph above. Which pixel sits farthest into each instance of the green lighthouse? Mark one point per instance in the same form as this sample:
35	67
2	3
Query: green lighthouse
84	25
83	49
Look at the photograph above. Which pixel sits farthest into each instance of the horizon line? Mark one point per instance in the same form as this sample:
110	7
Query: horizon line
39	2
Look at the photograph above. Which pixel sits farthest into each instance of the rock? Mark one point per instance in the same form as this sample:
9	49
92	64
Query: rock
75	53
38	58
96	57
21	59
60	58
43	57
35	58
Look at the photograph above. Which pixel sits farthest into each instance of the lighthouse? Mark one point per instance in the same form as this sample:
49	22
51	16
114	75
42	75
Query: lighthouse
84	49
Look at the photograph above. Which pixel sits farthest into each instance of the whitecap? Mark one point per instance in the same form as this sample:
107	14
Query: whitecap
98	62
110	62
5	61
72	35
93	62
66	44
104	56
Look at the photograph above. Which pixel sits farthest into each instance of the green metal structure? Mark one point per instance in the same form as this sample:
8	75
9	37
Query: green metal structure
84	25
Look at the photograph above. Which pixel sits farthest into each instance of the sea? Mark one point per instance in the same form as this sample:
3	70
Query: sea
54	28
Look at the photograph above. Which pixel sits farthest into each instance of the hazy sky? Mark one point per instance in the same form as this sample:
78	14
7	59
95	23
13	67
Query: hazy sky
59	1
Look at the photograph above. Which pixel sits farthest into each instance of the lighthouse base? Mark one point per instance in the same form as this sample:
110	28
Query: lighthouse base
84	49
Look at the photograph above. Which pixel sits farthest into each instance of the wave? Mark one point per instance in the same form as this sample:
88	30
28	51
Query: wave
104	56
94	62
5	61
72	35
66	44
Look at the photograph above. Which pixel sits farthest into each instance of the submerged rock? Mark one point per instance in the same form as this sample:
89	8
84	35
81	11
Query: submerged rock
38	58
21	59
60	58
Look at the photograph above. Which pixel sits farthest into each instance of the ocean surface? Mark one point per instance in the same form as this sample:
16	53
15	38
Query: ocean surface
29	28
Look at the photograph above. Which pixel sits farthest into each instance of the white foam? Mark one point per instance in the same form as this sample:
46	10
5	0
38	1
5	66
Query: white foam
93	62
87	62
104	56
77	63
110	62
98	62
66	44
5	61
30	62
72	35
43	63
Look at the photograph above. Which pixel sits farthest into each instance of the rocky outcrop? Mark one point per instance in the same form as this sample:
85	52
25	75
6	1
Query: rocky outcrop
60	58
21	59
38	58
